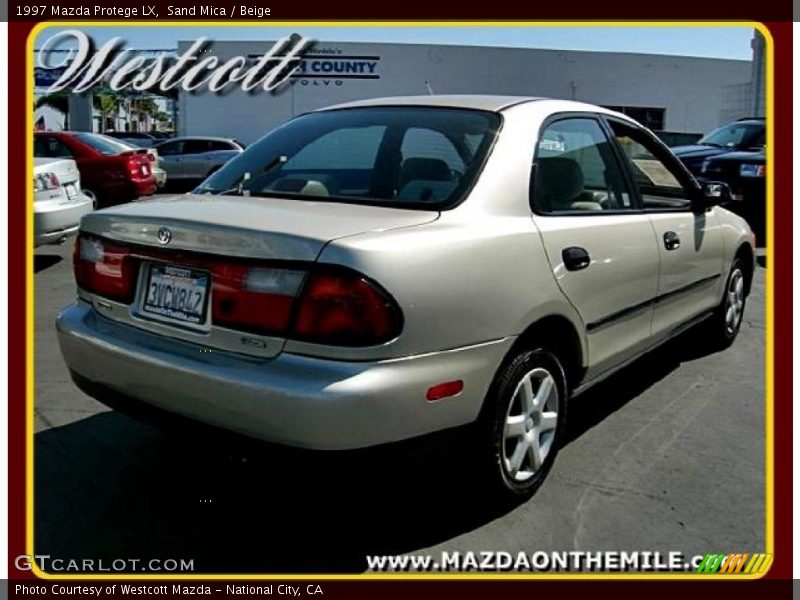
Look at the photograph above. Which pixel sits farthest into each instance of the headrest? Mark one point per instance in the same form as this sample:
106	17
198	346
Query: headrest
560	182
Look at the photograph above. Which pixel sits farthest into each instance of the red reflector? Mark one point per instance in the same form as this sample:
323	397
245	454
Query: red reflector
343	308
444	390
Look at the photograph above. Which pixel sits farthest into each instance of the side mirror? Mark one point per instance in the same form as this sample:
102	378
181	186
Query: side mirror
713	193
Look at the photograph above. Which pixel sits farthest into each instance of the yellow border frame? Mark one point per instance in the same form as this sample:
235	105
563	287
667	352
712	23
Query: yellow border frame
769	495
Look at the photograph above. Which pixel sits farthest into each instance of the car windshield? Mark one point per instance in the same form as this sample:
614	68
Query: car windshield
102	143
736	135
416	157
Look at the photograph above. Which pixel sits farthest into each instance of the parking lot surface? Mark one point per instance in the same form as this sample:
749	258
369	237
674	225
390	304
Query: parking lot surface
667	455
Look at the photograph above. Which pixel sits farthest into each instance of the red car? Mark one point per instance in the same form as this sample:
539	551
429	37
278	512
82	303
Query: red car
110	171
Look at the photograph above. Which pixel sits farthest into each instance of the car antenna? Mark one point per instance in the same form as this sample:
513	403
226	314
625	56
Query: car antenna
430	89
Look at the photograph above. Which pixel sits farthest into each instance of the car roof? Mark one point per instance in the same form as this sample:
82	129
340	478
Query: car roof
131	134
208	138
482	102
68	133
472	101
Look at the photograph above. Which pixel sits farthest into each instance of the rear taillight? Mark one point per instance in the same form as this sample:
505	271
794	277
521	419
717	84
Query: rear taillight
345	309
104	268
332	306
339	307
256	299
45	181
137	166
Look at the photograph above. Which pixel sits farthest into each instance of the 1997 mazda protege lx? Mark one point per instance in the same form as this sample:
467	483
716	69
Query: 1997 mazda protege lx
385	269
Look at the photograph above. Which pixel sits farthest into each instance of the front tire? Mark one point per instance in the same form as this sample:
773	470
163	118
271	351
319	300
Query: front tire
724	325
523	424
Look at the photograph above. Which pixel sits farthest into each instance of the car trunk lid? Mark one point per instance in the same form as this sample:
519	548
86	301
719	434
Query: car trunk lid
252	227
64	168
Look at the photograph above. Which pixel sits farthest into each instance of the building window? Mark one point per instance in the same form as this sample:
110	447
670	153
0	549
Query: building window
650	117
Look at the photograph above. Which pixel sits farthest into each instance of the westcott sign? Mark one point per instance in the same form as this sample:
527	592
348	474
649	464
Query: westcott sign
196	68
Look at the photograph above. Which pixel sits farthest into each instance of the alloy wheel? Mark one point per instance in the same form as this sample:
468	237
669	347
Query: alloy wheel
734	302
530	425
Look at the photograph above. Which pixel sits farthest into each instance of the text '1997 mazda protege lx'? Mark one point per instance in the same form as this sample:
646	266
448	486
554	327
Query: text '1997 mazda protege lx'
385	269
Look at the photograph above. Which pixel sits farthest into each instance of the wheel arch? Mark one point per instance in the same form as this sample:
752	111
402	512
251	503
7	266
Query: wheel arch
558	334
745	253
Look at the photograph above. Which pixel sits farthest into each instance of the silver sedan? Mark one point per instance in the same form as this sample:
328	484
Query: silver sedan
391	268
195	158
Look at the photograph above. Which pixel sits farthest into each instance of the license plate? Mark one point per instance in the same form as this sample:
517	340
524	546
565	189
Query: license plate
71	190
176	294
145	170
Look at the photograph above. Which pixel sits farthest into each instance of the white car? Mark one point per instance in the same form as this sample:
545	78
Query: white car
58	202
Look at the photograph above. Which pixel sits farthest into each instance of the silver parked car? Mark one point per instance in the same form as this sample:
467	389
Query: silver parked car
58	201
385	269
195	158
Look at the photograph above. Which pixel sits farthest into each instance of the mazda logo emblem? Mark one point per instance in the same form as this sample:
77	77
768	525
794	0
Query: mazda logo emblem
164	236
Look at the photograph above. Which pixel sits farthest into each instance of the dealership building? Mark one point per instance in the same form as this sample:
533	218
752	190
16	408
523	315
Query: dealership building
672	93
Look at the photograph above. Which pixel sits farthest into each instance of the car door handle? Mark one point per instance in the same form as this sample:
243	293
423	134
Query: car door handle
575	258
671	240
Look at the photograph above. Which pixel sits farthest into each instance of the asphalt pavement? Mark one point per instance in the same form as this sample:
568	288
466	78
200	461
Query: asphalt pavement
667	455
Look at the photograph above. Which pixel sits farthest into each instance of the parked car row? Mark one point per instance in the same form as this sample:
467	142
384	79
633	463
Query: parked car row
111	172
74	170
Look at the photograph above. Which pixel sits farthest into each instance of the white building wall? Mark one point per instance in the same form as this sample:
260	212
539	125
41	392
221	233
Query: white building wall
690	89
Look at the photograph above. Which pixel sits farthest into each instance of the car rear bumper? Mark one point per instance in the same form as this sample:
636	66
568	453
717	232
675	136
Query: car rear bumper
160	177
145	187
54	222
290	399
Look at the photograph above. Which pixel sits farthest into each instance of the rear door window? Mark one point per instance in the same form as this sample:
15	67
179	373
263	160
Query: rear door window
575	170
196	146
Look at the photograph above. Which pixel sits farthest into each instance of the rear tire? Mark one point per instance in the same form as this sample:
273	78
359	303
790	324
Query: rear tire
93	196
723	326
523	424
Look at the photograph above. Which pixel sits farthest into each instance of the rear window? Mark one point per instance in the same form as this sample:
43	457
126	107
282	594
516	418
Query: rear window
133	135
414	157
49	147
102	143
